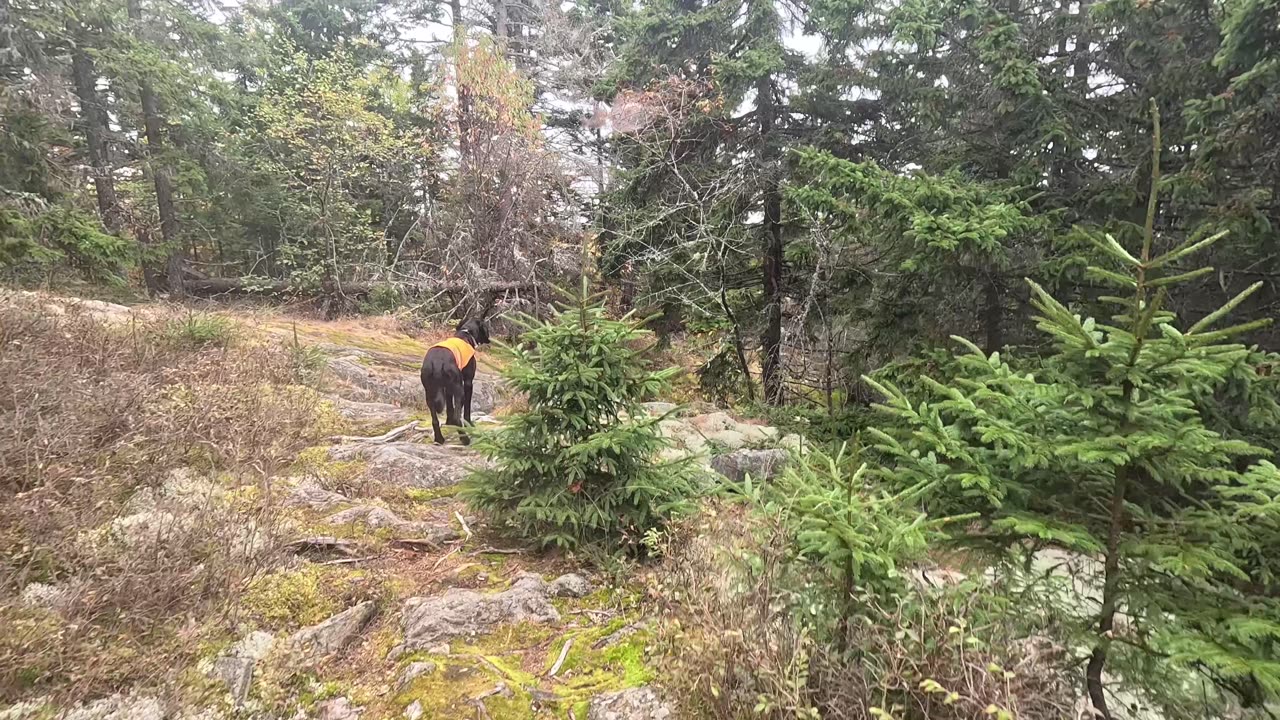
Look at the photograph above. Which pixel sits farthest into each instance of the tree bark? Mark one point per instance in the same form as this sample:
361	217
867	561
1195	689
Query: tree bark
771	337
153	124
1110	601
993	314
464	92
93	124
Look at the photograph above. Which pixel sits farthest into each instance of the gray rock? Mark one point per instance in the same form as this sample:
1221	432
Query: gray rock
487	393
731	439
409	464
322	546
237	674
309	494
29	710
373	385
640	703
48	597
570	585
760	464
756	434
311	644
461	613
660	408
791	442
414	711
619	635
369	515
370	412
235	667
376	518
712	423
384	386
118	707
415	670
338	709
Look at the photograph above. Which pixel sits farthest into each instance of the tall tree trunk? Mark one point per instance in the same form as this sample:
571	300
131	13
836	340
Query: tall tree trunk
152	123
93	124
464	92
993	314
10	58
771	337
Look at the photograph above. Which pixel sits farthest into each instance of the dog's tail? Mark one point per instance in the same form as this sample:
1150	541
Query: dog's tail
436	399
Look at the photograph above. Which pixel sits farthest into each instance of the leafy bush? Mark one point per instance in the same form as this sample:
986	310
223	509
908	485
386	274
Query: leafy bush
579	465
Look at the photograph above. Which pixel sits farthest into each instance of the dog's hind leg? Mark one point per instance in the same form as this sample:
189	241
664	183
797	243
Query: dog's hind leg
436	404
454	399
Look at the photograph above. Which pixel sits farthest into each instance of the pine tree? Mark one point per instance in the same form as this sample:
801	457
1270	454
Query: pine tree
1100	448
579	466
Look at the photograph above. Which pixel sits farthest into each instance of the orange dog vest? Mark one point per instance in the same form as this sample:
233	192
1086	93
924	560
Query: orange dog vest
461	349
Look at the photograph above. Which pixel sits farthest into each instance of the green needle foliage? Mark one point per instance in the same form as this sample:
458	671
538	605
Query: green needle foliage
1100	447
580	465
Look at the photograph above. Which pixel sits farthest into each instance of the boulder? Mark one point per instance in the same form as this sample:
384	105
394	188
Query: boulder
757	434
640	703
712	423
570	585
311	644
760	464
791	442
731	439
308	494
660	408
463	613
409	464
414	711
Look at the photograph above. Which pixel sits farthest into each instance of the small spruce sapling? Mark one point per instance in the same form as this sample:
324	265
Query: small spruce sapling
580	465
1102	450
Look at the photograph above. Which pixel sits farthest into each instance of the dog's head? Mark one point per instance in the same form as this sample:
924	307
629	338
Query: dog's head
477	330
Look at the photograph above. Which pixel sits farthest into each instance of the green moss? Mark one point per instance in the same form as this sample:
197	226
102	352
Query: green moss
426	495
305	596
316	461
449	691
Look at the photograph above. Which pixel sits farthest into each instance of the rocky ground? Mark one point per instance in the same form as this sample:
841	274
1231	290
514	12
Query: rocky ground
388	599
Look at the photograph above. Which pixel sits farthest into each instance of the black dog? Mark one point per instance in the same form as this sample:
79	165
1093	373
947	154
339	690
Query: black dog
448	372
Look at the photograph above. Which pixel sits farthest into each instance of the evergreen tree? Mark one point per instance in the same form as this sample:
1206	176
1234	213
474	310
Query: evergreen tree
580	465
1100	448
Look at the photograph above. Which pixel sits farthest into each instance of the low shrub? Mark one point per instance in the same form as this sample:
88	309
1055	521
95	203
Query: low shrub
199	330
798	603
108	550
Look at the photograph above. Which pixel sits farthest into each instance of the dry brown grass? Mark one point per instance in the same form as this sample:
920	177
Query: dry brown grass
746	636
144	571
